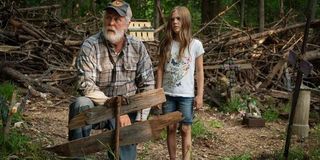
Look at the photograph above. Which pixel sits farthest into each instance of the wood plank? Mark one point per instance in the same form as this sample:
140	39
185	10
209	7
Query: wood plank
220	66
100	113
135	133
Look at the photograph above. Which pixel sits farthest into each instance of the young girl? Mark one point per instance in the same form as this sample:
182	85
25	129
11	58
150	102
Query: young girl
180	56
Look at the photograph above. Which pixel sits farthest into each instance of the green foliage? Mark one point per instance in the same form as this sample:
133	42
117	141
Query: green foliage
19	145
163	134
195	15
15	142
198	129
297	153
287	107
215	124
17	117
234	105
294	154
6	90
146	147
315	154
144	9
317	131
271	114
241	157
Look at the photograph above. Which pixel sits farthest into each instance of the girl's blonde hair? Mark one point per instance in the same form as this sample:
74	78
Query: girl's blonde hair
184	36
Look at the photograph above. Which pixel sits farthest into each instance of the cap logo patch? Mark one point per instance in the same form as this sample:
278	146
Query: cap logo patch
117	3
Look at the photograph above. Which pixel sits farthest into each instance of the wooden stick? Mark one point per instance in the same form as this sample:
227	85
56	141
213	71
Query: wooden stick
117	129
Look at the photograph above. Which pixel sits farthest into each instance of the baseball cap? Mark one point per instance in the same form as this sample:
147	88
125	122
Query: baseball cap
121	7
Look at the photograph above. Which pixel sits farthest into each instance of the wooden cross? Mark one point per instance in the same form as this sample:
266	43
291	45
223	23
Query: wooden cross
132	134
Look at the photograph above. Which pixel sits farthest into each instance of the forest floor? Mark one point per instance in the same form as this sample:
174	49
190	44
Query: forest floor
47	122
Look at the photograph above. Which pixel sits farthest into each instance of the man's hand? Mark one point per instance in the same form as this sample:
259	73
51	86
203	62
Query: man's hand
125	120
98	97
159	106
198	102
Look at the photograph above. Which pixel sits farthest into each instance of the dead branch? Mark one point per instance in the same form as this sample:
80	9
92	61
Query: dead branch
16	75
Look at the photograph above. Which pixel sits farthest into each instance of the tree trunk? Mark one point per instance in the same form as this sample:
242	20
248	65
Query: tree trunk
156	20
313	9
281	9
261	15
242	6
210	9
94	6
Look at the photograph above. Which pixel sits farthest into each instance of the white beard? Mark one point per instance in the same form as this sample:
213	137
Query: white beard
114	37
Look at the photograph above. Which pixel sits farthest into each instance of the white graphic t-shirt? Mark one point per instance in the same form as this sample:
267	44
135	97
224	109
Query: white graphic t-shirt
179	74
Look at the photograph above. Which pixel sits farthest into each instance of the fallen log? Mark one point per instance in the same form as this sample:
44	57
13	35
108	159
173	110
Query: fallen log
16	75
135	133
55	6
100	113
287	95
263	34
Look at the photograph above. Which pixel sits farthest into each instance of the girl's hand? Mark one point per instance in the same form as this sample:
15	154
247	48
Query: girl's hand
125	120
198	102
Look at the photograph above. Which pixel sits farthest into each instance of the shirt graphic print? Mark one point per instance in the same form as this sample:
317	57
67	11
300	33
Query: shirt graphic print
177	69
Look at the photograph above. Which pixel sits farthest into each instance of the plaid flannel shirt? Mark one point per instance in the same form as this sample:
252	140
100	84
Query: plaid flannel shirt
133	67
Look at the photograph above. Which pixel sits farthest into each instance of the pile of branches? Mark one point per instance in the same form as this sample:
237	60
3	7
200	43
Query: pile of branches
38	50
249	62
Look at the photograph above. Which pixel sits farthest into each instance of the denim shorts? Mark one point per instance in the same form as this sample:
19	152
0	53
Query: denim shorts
182	104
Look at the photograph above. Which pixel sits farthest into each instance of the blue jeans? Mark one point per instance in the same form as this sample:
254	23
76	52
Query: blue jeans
128	152
182	104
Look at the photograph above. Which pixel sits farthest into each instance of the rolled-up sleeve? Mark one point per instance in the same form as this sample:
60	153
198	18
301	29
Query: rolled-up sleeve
145	78
86	66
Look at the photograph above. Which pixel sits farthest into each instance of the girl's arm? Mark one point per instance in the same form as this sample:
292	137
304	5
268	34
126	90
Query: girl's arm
159	79
159	75
198	102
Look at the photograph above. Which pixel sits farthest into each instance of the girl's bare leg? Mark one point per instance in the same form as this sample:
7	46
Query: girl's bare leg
171	141
186	141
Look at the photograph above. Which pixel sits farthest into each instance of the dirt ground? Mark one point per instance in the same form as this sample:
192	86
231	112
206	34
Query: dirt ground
47	122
